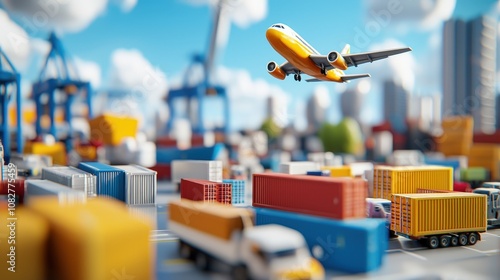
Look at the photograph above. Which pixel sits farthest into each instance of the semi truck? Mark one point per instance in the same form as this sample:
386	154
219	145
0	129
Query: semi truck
493	198
440	219
259	252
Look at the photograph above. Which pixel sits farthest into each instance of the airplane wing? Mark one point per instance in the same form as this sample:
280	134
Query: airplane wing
288	68
354	59
360	58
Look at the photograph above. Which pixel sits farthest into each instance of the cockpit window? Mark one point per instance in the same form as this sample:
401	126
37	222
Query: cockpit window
278	26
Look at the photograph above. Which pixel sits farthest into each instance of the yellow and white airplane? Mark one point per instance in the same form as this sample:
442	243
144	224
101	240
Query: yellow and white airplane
303	58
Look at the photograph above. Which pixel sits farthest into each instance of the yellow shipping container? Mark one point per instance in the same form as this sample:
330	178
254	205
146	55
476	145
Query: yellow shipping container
454	149
112	129
96	240
485	150
56	151
30	234
227	218
388	180
426	214
465	123
339	171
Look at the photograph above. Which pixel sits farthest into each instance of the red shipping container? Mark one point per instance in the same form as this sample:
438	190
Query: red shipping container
163	171
204	190
487	138
462	187
166	141
338	198
17	188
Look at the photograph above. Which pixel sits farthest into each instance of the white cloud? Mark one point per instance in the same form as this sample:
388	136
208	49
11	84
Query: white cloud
14	41
405	14
89	71
400	67
130	70
126	5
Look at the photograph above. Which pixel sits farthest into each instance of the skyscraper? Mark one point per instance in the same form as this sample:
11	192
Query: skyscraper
351	102
469	66
395	105
498	111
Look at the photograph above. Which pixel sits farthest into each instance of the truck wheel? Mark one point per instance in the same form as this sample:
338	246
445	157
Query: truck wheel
239	272
462	239
472	238
202	261
444	241
454	240
433	242
185	251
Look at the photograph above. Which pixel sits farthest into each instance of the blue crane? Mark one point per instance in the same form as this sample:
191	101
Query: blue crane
70	85
204	88
8	77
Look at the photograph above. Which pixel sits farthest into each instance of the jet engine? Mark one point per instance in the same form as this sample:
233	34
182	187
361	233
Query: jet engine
337	60
275	70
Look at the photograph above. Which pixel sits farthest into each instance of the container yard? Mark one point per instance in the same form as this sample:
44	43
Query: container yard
336	198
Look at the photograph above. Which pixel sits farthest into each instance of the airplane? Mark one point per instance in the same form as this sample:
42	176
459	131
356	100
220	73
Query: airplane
303	58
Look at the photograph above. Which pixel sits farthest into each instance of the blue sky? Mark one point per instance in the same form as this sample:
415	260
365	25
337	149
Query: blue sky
167	33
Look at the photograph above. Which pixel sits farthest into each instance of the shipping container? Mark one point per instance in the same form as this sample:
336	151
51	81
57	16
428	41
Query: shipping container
112	129
210	170
440	219
389	180
354	246
140	184
453	163
16	188
319	173
167	155
56	151
338	198
31	239
487	138
474	174
338	171
204	190
163	171
98	239
71	177
36	188
237	190
110	180
31	163
462	187
298	167
406	158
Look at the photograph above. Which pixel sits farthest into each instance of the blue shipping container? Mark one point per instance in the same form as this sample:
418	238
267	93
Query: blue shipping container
110	180
237	190
166	155
453	163
354	246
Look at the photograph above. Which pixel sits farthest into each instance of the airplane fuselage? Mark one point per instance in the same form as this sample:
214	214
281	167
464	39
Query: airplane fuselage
297	51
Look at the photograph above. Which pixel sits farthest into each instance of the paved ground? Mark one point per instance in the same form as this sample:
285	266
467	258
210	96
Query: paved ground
406	259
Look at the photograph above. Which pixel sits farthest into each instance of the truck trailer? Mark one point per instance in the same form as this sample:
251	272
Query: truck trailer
261	252
439	219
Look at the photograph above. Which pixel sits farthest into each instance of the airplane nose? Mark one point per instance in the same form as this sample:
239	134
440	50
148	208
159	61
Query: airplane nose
272	34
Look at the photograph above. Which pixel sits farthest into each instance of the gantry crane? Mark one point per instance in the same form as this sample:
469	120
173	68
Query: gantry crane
9	77
205	87
66	82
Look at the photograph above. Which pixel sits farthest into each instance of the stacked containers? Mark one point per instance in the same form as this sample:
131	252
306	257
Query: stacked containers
110	180
203	190
339	171
457	136
140	184
298	167
196	169
354	245
71	177
237	190
487	156
389	180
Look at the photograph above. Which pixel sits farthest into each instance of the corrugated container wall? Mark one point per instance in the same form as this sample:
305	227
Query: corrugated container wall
71	177
203	190
338	198
48	188
237	190
418	215
110	180
140	184
395	180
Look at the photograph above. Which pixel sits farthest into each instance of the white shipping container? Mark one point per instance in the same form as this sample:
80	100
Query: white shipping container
196	169
36	188
140	184
72	177
299	167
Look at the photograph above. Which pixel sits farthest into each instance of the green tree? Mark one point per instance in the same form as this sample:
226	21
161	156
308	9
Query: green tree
270	127
344	137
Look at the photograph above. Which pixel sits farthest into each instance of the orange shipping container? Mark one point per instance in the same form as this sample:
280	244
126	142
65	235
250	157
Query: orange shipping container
112	129
389	180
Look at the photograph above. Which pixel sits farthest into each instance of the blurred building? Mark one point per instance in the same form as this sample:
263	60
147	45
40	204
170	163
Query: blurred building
469	66
350	103
317	108
427	111
395	105
498	111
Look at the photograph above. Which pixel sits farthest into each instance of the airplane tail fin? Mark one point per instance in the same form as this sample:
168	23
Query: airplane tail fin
346	49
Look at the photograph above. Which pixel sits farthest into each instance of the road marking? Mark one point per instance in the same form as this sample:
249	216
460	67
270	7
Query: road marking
408	253
491	234
483	252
